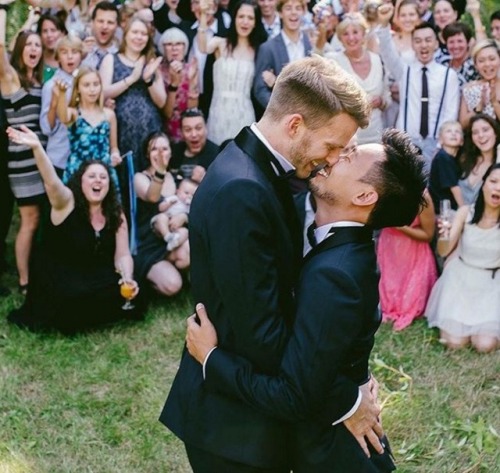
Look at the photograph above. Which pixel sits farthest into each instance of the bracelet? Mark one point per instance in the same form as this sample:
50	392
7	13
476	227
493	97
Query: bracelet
172	88
159	175
477	111
150	82
202	30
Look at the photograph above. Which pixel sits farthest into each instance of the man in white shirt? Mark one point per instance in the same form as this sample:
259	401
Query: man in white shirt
422	108
104	25
336	316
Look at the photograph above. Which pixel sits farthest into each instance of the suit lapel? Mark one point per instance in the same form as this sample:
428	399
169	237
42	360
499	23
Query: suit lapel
260	154
341	236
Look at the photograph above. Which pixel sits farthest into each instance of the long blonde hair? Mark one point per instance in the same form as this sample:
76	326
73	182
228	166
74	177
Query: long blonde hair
75	95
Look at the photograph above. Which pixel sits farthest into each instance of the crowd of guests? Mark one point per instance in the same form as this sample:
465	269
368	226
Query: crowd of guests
92	93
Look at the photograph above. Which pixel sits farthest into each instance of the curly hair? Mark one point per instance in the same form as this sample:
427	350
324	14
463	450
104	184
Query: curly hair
470	152
111	207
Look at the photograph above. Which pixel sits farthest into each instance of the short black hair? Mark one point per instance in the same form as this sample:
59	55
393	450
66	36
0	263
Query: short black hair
495	16
399	180
192	112
105	6
424	25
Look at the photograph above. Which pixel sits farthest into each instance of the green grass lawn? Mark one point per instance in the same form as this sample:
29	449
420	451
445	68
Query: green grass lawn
91	403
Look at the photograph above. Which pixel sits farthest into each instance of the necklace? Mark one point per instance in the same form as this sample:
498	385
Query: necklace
356	59
133	61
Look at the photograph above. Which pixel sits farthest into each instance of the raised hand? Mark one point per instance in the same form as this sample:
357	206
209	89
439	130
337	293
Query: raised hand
384	13
151	68
23	136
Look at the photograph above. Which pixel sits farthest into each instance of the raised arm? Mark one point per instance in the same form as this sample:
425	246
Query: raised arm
60	197
154	80
9	81
388	51
66	115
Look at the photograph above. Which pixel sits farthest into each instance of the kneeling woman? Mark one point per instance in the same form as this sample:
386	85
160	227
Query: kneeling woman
75	283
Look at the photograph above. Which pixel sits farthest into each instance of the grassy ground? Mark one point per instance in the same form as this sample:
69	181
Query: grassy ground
91	403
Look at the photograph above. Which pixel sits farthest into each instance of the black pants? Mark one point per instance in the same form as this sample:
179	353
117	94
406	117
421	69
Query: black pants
204	462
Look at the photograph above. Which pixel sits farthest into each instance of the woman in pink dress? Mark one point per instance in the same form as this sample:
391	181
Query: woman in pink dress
407	268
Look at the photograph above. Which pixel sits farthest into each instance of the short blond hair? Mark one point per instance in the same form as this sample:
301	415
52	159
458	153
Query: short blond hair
70	42
352	19
318	90
483	44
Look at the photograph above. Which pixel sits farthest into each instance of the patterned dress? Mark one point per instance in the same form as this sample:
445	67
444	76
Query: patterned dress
23	108
137	115
88	142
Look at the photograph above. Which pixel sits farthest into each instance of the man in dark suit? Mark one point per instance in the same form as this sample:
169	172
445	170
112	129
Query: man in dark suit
337	316
245	250
288	46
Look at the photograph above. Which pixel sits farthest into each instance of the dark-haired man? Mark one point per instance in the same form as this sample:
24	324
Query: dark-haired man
246	245
192	156
102	41
429	93
337	314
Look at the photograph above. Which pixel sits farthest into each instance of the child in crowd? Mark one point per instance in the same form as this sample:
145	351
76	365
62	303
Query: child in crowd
445	170
92	127
69	53
176	205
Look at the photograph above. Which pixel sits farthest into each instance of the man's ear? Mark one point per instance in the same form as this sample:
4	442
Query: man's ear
294	124
365	198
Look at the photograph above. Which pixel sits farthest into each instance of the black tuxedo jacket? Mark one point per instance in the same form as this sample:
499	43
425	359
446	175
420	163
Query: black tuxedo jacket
245	251
332	338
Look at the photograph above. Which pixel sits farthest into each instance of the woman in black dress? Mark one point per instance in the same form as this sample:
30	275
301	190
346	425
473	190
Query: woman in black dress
75	278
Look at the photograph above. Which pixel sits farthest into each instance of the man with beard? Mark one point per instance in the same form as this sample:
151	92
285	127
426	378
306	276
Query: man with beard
246	246
337	316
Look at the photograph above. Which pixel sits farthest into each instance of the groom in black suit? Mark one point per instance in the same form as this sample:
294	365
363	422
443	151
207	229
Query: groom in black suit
337	316
245	252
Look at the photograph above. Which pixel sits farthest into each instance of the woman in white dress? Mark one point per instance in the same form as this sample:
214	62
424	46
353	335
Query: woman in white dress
234	68
366	67
465	301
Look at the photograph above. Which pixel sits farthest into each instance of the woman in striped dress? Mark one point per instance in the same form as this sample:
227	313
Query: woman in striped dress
20	86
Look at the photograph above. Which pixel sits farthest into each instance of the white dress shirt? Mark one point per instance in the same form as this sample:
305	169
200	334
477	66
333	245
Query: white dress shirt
295	50
410	110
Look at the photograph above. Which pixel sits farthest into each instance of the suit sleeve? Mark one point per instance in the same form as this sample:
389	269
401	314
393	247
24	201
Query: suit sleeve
244	248
328	320
263	63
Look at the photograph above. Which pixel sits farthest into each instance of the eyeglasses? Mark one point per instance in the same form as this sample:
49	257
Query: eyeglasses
346	153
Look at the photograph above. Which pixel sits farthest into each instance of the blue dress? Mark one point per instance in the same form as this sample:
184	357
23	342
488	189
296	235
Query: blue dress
88	142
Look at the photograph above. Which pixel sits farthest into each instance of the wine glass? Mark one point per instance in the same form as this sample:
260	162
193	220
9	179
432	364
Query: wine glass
445	226
127	292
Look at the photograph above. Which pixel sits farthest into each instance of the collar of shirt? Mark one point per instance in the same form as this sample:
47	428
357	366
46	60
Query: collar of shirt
430	65
288	41
321	233
287	165
274	28
61	74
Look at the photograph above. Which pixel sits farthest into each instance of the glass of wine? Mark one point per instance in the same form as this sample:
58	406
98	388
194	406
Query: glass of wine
445	226
127	292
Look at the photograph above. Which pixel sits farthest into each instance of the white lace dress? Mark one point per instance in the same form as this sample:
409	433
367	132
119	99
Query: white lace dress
465	301
231	108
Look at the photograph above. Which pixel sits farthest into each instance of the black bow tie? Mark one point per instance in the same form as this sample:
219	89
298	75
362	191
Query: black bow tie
311	237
